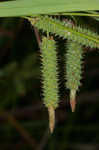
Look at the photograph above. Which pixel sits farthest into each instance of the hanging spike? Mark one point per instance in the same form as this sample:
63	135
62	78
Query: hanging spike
50	78
73	100
51	112
74	61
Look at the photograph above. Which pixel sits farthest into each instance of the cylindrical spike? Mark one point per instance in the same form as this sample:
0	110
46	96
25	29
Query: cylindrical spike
49	76
73	70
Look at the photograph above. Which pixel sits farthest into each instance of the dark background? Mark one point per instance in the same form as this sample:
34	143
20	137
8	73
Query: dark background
23	116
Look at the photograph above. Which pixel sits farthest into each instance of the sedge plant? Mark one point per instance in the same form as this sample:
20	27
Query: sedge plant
43	15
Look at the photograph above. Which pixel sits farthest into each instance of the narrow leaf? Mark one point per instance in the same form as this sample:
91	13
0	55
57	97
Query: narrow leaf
32	7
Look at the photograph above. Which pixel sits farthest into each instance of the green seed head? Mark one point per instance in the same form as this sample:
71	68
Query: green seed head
49	72
73	65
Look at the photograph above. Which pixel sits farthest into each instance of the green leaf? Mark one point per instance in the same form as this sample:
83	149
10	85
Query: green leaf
34	7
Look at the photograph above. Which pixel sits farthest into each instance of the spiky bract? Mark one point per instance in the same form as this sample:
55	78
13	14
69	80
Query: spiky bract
49	72
66	30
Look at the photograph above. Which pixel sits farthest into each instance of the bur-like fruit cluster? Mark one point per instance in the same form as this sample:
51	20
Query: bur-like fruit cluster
73	65
73	70
49	72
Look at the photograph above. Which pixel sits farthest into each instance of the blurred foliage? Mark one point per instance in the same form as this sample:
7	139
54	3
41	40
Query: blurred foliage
21	95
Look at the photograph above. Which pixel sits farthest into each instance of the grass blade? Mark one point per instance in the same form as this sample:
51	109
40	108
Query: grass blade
32	7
